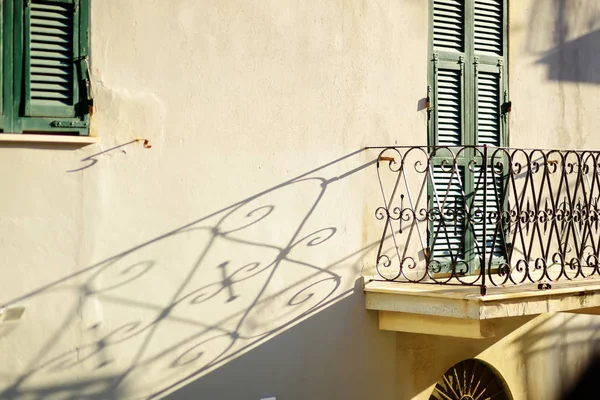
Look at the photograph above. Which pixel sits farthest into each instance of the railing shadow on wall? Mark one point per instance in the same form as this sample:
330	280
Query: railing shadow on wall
545	349
532	217
218	309
575	56
576	60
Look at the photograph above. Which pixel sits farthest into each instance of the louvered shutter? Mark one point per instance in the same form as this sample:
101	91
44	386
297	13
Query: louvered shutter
488	108
50	55
2	66
448	21
488	42
489	50
447	234
468	86
54	71
494	235
488	27
449	107
447	230
489	131
448	25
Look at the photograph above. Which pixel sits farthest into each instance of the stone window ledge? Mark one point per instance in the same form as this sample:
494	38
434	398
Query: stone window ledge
48	139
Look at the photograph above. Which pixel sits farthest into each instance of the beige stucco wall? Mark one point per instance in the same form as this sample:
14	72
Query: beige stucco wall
555	73
224	261
538	357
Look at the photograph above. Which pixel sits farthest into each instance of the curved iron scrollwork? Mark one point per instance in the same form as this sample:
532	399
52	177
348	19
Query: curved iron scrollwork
488	216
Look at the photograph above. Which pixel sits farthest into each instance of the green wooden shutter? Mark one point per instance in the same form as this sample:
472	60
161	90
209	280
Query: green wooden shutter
5	63
488	108
448	45
488	26
489	46
447	126
447	234
493	195
54	48
448	25
49	64
449	107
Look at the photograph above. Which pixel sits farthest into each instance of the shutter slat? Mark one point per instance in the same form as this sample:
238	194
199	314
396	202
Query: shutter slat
448	22
488	26
37	54
51	78
51	53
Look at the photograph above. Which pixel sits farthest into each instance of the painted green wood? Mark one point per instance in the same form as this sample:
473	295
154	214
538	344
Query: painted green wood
48	84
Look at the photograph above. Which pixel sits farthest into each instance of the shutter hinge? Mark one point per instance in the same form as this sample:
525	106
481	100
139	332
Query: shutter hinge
500	65
461	61
84	66
428	99
27	3
476	64
76	6
69	124
507	105
435	63
88	86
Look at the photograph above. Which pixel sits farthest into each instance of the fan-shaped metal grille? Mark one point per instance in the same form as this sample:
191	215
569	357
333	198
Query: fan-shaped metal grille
470	380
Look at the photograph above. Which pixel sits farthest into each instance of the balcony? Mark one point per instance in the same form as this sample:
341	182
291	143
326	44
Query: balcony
476	233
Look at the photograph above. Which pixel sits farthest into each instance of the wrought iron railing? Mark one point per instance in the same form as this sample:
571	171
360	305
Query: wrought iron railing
488	216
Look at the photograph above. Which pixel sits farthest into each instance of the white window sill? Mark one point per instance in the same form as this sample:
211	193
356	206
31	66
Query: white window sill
59	139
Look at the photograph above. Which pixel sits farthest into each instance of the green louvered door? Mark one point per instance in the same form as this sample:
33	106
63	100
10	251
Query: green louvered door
447	180
489	56
446	235
468	86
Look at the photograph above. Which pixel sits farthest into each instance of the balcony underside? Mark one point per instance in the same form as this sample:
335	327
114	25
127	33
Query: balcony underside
461	311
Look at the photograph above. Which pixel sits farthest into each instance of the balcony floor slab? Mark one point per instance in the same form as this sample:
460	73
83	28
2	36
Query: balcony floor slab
462	311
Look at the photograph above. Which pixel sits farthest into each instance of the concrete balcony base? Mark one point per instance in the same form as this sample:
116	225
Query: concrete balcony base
434	325
460	311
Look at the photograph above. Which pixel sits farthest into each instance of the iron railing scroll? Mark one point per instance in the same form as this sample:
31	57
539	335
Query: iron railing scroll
488	216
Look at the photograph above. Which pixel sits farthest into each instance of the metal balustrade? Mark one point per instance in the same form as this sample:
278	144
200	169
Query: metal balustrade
488	216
